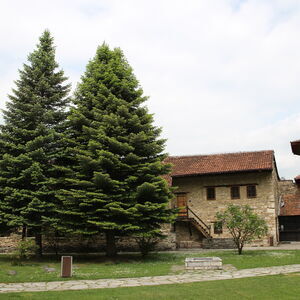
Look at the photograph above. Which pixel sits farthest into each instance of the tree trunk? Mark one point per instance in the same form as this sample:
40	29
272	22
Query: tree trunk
24	232
111	249
38	241
240	249
56	241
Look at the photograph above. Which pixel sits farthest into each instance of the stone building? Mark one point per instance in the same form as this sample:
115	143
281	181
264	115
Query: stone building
206	184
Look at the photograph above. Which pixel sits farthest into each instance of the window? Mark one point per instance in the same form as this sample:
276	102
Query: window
251	191
218	228
211	193
235	192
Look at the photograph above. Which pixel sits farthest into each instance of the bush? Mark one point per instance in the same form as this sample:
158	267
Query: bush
25	250
147	242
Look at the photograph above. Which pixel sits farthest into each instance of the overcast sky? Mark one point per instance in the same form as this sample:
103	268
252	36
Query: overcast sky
222	75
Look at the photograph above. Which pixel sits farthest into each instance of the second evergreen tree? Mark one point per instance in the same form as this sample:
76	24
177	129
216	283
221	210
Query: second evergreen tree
114	184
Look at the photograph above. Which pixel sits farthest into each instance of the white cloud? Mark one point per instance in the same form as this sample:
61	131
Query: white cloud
221	75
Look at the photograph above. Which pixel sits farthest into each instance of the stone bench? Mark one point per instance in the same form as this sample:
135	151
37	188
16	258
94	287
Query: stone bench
203	263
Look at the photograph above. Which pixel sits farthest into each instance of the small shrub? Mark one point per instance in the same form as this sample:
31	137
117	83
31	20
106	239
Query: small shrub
147	242
24	251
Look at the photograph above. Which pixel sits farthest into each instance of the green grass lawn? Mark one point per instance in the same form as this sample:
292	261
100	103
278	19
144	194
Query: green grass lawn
268	287
96	267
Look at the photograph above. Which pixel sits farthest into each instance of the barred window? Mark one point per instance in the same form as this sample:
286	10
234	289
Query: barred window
251	191
235	192
211	193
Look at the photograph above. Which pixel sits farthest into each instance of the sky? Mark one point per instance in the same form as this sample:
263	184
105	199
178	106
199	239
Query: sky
221	75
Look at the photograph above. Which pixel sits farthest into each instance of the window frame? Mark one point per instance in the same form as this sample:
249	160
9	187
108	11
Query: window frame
238	192
249	192
208	196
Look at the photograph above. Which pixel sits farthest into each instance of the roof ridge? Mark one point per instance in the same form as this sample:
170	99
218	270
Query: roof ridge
221	153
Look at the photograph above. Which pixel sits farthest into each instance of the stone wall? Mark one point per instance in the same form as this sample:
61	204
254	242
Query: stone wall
8	243
187	236
97	244
218	243
277	197
228	243
92	244
287	187
265	204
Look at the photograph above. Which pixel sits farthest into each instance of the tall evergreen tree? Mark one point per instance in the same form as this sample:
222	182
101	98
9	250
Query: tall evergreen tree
114	185
32	142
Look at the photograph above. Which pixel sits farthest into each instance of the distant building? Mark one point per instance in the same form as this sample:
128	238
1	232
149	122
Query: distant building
289	217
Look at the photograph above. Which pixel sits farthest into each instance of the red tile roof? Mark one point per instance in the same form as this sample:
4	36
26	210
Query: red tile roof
291	205
221	163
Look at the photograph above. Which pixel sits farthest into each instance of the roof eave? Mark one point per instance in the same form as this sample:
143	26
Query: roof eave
224	172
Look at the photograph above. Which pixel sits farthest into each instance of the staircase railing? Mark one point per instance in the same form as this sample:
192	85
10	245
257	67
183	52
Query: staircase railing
194	216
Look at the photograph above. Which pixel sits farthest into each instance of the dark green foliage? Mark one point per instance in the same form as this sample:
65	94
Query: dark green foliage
25	250
148	241
32	142
114	183
243	224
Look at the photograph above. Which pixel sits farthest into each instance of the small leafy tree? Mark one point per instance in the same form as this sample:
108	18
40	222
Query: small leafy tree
147	241
243	224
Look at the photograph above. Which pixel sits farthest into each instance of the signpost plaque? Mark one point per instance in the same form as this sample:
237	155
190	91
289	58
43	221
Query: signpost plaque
66	266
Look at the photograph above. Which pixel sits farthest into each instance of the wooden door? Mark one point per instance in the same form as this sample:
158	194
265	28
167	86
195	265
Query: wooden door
181	204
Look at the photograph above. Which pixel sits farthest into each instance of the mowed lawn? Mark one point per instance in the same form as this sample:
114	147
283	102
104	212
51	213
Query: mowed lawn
98	266
268	287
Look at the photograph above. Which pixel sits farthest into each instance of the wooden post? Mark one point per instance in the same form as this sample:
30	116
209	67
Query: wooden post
66	266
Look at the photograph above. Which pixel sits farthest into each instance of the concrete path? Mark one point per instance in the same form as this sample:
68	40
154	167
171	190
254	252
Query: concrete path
281	246
191	276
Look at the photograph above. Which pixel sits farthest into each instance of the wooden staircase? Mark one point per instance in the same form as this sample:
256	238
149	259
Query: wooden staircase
189	215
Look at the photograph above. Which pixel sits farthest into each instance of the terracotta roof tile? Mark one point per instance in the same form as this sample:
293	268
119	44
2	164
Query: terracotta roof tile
291	205
221	163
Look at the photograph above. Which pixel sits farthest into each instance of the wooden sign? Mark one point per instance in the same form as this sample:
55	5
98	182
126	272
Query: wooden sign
66	266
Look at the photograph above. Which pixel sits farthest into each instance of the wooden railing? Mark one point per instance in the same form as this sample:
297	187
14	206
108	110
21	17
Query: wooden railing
191	214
